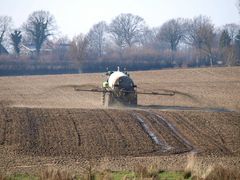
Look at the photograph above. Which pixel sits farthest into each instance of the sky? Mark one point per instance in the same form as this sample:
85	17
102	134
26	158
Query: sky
78	16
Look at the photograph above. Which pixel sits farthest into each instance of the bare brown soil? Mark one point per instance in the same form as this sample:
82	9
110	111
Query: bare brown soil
204	88
44	122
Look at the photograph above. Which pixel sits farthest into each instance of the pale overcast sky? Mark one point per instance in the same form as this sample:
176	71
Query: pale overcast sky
78	16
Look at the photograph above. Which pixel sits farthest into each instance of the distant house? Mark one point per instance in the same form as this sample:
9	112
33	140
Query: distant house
30	50
3	50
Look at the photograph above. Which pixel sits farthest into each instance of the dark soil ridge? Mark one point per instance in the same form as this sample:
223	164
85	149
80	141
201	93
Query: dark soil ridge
94	133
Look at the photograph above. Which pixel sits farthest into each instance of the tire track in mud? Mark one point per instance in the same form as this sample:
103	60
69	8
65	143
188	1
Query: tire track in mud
3	129
200	134
33	132
75	128
43	118
163	133
147	130
60	146
7	129
123	139
122	135
102	135
160	119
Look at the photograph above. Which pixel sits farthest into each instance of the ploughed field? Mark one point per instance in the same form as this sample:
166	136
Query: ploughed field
43	121
97	133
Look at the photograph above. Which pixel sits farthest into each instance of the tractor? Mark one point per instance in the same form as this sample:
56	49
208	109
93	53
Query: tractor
119	89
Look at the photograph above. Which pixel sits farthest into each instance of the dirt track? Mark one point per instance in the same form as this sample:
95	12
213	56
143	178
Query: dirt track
43	121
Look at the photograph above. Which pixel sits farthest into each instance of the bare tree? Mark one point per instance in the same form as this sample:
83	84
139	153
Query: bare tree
126	29
172	32
232	30
237	45
40	26
5	26
62	47
16	38
97	38
225	39
200	35
78	49
148	37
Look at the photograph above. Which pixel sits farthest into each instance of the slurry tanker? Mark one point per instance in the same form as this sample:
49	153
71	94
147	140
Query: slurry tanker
119	88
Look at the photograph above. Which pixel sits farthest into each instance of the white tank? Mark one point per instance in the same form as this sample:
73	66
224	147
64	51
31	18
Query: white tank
114	77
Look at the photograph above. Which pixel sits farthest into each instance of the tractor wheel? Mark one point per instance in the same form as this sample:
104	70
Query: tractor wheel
133	99
103	98
108	100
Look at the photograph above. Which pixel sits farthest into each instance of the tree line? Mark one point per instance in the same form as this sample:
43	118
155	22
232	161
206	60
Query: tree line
126	41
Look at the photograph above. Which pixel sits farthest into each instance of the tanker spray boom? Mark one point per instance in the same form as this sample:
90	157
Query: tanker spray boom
119	88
